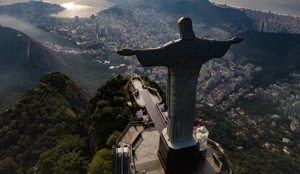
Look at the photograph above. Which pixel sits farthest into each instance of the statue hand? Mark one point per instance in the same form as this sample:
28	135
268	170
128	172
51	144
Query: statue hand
126	52
236	40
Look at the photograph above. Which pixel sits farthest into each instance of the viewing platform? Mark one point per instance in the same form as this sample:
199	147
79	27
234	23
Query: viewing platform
136	150
139	144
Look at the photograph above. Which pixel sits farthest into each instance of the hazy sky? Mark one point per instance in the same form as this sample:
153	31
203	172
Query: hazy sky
278	6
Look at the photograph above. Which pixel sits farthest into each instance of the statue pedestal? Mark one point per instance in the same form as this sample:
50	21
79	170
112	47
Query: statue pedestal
183	159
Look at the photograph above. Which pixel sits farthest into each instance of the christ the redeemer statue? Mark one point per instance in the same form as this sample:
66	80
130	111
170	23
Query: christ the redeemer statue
183	58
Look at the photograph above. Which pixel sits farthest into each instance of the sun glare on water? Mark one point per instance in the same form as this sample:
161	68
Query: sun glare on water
69	5
75	8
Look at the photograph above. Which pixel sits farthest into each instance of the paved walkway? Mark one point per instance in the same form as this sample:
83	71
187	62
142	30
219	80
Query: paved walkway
150	101
146	154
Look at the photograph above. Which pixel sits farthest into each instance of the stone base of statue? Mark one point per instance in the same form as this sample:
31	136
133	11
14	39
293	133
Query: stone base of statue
183	159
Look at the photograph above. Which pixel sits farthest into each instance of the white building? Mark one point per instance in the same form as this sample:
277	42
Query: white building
201	134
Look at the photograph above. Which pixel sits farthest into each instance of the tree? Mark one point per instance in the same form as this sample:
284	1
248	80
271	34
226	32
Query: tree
101	162
112	138
66	157
8	165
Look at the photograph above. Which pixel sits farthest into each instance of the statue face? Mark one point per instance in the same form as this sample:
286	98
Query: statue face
185	26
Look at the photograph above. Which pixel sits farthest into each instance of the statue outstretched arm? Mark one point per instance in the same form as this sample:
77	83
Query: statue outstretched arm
236	40
218	49
126	52
148	57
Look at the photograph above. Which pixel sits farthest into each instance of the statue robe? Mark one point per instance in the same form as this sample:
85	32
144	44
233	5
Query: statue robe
184	59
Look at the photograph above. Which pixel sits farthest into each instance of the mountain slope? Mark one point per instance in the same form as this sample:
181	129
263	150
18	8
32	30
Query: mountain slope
19	49
277	54
42	132
37	8
22	62
53	129
203	11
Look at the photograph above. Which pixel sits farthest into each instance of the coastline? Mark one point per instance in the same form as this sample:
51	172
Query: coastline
229	5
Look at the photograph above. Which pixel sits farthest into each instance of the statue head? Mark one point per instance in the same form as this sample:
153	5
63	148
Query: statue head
185	26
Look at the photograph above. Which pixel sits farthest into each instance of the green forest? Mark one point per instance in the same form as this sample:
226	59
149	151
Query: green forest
54	128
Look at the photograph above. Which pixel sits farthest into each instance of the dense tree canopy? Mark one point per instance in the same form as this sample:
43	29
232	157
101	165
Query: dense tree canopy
50	129
101	162
108	110
34	131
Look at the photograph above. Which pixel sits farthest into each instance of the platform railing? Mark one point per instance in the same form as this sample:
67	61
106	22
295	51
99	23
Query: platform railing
133	123
115	162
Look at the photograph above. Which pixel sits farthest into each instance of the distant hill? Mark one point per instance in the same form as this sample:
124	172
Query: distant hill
277	54
203	11
42	133
271	22
22	62
231	19
38	8
18	48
